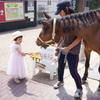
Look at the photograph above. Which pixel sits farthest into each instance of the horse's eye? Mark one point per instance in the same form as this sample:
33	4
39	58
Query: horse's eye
44	32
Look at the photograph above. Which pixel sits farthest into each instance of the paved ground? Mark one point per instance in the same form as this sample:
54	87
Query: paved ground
39	87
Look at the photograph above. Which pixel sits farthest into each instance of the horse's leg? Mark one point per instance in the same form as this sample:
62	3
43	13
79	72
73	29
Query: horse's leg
87	52
99	80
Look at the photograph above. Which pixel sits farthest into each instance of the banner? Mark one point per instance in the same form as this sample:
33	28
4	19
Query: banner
11	11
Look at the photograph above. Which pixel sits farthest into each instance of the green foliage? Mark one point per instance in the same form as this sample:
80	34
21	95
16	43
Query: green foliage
76	9
95	4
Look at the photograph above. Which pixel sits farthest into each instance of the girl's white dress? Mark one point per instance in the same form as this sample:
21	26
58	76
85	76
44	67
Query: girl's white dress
16	65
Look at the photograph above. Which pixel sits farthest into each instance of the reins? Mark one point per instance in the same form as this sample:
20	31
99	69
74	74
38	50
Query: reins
53	36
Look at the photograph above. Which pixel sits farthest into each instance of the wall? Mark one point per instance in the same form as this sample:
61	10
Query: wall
82	4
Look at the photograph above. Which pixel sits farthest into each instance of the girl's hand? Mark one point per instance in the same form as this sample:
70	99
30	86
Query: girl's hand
24	54
29	53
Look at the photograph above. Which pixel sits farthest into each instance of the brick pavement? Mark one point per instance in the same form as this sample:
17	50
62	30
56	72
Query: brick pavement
38	87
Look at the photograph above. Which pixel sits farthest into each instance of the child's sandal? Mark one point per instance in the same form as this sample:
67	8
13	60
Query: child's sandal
22	78
16	80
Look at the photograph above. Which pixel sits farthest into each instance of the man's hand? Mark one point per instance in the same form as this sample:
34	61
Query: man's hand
56	53
65	49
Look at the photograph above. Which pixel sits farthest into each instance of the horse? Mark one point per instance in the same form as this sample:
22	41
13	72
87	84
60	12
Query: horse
85	25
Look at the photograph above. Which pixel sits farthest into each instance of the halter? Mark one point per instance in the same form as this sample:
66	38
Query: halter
53	36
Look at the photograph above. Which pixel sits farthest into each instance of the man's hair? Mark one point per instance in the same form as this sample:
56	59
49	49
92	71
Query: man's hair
69	11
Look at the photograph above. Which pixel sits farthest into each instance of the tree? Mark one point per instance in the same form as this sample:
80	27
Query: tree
95	4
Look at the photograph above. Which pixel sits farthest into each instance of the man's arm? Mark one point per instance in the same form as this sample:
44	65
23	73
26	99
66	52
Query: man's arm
73	44
59	43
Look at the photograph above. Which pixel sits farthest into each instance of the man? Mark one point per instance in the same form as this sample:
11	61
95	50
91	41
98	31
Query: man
70	46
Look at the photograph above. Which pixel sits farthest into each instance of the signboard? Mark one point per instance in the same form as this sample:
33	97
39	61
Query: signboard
30	15
2	14
40	66
31	8
11	11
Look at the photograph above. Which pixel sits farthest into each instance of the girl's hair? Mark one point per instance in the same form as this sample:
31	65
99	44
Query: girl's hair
17	38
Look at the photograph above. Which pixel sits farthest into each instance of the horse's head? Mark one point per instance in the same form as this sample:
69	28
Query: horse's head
48	34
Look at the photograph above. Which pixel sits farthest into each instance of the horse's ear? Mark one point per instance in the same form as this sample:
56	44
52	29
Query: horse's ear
46	24
46	15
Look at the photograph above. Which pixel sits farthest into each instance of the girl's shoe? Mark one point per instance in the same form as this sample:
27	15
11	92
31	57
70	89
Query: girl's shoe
22	78
17	80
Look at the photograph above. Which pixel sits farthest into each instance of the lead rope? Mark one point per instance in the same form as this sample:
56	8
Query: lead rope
54	26
98	70
65	59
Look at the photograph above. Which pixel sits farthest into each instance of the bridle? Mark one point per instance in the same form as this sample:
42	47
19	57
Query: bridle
53	36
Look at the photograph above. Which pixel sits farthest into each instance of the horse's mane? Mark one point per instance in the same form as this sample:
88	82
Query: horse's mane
88	18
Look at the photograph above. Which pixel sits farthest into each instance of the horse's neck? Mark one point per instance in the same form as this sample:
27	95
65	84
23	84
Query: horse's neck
66	29
75	26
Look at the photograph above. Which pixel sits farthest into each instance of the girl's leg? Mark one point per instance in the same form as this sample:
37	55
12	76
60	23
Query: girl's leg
16	79
73	64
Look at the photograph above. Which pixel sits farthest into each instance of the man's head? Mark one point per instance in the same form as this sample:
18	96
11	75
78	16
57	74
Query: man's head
61	6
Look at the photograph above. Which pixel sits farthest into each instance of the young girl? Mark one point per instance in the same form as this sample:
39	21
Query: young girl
16	65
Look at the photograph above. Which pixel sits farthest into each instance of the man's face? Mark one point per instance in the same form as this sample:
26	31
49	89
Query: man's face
62	13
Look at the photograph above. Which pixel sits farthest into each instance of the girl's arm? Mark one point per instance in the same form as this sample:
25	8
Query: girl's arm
22	53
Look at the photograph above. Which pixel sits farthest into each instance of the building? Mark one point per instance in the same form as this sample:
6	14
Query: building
49	6
33	12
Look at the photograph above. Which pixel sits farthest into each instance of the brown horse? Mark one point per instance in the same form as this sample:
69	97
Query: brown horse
85	25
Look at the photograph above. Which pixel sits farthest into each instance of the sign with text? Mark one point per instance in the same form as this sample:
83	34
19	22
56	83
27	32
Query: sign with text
2	14
11	11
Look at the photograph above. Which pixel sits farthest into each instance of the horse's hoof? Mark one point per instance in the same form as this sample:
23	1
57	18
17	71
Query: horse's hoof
84	81
98	90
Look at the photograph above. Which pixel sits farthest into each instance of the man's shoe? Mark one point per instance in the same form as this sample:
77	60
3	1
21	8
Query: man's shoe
58	85
78	93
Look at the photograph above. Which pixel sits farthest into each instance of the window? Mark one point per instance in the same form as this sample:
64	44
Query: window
48	2
88	3
59	0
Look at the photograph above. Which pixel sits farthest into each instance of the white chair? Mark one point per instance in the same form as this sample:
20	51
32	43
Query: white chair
47	63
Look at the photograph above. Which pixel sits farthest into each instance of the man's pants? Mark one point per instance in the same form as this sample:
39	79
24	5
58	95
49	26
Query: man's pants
72	64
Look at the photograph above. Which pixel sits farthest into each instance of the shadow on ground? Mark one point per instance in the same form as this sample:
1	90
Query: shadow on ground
94	95
44	77
18	89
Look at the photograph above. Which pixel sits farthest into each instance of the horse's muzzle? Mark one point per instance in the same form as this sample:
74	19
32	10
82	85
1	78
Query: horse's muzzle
42	45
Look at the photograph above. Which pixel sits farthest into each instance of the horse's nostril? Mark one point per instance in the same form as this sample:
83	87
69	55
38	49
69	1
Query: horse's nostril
37	43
